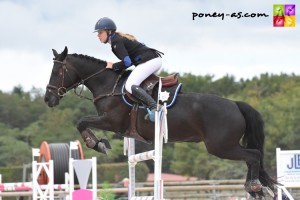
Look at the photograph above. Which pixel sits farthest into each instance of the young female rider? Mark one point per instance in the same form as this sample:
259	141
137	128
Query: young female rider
130	52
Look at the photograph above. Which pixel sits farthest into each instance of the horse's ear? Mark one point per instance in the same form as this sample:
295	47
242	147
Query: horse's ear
65	52
55	53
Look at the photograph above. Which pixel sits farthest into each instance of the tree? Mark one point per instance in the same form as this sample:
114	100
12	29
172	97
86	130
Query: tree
13	151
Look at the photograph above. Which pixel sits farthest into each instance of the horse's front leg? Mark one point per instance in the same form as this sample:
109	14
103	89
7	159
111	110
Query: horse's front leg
100	122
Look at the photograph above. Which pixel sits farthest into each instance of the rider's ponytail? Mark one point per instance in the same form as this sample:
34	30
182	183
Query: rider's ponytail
128	36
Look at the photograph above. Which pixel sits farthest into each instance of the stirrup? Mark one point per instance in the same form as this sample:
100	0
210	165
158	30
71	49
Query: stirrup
151	113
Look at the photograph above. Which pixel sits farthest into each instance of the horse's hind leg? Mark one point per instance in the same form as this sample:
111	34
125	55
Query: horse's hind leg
236	152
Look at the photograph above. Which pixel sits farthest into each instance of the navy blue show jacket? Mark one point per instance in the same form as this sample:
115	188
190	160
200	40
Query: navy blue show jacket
130	52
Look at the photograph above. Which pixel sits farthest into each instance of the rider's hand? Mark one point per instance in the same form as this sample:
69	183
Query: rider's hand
109	65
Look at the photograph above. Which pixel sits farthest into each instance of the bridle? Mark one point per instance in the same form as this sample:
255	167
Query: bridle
60	90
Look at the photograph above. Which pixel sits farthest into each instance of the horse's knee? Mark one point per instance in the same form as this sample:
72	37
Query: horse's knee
81	125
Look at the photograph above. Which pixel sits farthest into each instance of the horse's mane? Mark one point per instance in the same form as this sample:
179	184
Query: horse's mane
89	58
99	61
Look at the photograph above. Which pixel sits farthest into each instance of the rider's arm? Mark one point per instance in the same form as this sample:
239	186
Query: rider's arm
121	52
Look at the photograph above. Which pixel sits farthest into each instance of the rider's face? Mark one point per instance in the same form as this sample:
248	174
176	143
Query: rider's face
102	35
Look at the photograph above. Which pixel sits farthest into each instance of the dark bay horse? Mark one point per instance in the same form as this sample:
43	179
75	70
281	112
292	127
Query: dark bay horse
220	123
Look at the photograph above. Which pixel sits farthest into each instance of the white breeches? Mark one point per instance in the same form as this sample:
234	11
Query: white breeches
142	71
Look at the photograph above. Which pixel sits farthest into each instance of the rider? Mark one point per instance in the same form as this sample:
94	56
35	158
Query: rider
130	52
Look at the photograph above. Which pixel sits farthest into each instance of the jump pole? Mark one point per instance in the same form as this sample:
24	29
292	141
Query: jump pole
161	131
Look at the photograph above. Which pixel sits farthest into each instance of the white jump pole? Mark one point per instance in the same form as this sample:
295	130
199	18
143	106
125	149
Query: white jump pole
131	166
161	130
158	182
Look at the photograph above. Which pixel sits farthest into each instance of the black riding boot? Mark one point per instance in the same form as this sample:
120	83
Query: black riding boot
142	95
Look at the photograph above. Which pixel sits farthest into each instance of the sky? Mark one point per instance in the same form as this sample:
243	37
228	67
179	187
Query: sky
242	47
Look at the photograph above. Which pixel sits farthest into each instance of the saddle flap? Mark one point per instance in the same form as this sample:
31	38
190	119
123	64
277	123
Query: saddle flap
152	80
149	83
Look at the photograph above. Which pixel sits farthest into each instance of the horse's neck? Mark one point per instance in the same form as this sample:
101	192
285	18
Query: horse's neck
86	68
98	84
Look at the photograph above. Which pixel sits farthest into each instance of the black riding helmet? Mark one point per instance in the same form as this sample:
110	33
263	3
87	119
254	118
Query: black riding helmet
106	24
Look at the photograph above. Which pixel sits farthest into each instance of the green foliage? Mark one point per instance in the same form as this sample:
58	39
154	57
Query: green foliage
11	174
18	110
13	151
106	194
205	84
84	106
191	159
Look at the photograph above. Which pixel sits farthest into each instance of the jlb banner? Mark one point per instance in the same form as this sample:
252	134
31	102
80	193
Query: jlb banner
288	167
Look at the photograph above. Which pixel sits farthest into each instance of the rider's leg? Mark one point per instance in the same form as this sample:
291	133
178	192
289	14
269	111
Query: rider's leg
142	95
137	76
141	72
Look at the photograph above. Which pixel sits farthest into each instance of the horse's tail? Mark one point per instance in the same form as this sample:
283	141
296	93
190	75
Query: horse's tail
254	138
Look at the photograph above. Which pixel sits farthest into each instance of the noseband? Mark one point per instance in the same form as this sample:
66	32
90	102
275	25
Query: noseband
60	90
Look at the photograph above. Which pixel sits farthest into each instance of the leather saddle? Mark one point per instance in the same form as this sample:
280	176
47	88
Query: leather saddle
149	84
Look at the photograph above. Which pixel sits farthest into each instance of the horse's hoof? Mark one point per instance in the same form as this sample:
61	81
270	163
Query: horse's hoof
256	187
89	138
100	147
247	186
253	186
106	143
260	198
90	143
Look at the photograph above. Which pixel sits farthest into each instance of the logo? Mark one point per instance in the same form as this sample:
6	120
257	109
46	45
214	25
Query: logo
284	15
295	162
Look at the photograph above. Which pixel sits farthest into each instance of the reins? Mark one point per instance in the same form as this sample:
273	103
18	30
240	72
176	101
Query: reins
113	90
61	90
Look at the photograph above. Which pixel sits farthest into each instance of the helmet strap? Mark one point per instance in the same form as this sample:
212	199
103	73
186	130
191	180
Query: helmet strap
109	33
107	38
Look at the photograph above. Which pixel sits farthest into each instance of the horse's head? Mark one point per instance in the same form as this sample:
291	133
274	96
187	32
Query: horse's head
63	78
